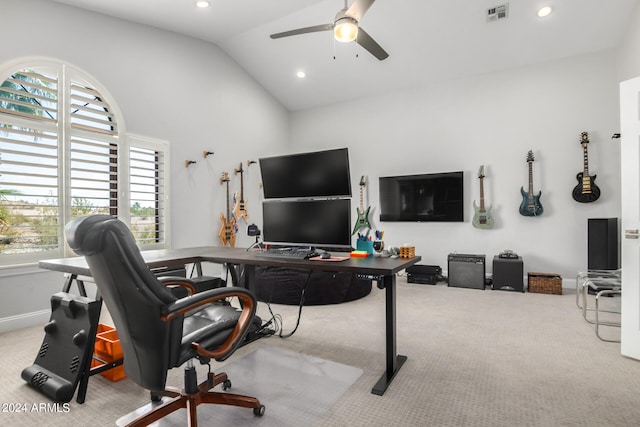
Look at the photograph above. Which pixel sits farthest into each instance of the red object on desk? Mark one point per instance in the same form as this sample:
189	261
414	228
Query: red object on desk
359	254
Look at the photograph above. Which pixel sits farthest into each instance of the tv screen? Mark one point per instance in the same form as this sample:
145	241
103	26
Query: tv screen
315	174
428	197
320	224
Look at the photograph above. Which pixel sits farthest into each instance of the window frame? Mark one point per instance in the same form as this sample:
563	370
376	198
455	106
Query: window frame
124	141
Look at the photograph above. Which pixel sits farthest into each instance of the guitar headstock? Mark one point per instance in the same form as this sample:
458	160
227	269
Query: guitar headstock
224	177
238	170
481	172
530	157
363	181
584	138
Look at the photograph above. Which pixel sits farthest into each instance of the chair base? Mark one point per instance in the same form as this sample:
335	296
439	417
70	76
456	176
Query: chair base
178	399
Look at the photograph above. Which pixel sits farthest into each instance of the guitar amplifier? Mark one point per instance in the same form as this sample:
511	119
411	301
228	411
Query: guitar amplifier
424	274
466	271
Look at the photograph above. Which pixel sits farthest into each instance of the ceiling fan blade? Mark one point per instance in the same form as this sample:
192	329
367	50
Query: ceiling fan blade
314	29
359	8
370	44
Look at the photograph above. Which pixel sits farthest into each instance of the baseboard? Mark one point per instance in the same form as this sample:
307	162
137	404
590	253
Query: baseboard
13	323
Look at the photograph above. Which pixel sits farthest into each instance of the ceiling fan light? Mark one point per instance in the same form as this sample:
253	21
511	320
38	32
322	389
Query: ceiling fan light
345	29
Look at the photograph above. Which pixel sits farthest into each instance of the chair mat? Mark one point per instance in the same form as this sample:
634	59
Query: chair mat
295	388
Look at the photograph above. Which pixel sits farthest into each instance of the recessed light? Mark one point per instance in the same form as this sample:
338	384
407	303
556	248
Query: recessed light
203	3
544	11
301	74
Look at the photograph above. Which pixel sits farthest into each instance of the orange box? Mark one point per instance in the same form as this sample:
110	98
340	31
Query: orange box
108	346
104	328
113	374
107	349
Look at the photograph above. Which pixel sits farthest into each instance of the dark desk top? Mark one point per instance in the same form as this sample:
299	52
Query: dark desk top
225	255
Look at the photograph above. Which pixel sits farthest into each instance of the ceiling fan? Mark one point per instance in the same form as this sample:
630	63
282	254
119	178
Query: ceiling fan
345	28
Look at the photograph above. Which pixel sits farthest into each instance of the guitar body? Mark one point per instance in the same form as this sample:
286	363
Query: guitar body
530	206
362	221
239	203
481	219
586	191
240	208
481	215
229	225
227	231
363	214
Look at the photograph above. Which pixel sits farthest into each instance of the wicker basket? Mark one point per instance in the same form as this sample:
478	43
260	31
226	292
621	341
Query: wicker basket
545	283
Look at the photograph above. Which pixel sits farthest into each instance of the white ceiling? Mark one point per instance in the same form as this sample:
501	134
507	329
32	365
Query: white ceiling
427	40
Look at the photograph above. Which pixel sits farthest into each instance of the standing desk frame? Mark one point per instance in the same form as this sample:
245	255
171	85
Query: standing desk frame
383	270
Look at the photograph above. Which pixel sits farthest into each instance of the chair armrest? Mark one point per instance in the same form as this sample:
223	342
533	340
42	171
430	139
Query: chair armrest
187	304
179	281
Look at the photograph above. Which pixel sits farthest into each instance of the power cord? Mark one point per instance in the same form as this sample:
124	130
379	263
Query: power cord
276	319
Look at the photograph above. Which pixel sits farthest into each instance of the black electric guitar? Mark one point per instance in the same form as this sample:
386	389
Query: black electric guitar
240	204
530	205
227	231
481	217
586	191
363	215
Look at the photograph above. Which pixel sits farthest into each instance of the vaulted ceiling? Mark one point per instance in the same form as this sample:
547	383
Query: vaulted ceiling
428	41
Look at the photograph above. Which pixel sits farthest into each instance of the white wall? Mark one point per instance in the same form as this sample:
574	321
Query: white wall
493	120
169	87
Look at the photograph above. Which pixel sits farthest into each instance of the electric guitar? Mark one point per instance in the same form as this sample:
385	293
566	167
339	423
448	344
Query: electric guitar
363	216
586	191
227	231
481	216
240	204
530	205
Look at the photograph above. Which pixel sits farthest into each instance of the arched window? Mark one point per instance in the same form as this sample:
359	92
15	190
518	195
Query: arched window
63	154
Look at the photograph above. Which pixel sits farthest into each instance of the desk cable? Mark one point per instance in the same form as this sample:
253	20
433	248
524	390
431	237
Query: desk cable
276	319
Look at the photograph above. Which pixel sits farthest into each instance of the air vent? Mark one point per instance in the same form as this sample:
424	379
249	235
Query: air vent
497	13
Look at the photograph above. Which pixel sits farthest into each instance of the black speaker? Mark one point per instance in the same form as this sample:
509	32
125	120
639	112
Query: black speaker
466	271
603	244
423	274
508	274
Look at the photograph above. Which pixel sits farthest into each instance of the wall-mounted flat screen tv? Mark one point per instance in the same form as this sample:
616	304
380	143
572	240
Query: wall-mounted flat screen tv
321	224
315	174
427	197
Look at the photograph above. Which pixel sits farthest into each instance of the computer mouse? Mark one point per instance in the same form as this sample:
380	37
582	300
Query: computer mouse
325	255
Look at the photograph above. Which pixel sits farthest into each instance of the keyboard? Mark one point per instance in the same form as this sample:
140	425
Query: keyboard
287	253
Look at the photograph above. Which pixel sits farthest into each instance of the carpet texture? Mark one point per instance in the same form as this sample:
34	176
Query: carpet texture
475	358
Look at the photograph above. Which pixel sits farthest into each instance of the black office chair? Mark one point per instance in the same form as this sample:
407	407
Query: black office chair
158	331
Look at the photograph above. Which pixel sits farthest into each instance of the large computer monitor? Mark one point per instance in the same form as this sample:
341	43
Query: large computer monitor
315	174
320	224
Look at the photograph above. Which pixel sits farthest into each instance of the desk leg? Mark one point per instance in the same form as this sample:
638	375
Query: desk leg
393	361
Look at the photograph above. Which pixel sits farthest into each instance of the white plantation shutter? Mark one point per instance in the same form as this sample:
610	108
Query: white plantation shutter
148	191
62	156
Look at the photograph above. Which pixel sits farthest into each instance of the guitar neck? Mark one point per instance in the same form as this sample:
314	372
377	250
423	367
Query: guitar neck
481	194
228	212
530	180
586	160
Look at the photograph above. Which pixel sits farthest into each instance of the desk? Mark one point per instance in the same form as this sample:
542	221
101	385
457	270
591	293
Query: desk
382	269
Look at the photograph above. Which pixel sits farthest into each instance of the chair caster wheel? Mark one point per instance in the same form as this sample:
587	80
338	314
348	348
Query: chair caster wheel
258	412
226	385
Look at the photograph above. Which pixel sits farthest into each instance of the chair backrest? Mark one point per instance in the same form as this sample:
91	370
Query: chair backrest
132	294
